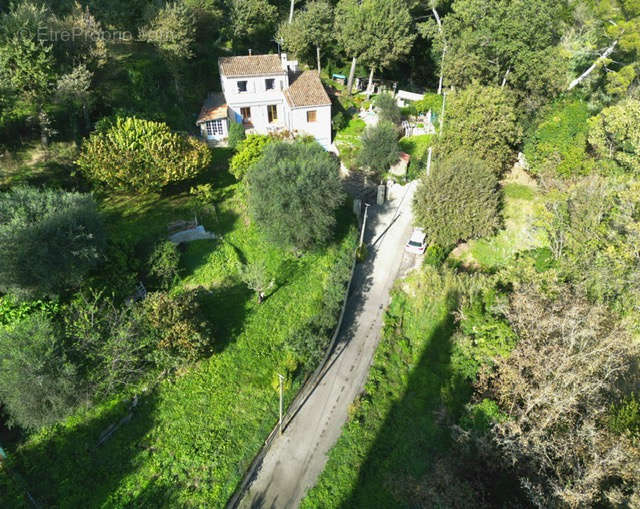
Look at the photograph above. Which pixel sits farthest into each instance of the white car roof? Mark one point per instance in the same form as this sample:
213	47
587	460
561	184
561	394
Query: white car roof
418	235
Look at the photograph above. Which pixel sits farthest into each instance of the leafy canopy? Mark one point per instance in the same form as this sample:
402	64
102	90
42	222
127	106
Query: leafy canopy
481	120
380	148
131	154
49	240
294	192
615	134
458	201
249	152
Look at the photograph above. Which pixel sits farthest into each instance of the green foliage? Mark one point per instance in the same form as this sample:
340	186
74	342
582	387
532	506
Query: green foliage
558	146
310	29
131	154
483	121
481	416
294	192
458	201
251	20
339	121
430	102
614	134
491	41
625	416
38	386
380	148
236	134
435	255
256	277
172	30
376	31
249	152
174	326
164	265
49	240
14	310
388	109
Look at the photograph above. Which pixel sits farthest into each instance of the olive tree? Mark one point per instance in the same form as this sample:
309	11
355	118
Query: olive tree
49	240
294	192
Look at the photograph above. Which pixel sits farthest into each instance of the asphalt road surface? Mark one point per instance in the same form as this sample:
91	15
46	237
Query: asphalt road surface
296	459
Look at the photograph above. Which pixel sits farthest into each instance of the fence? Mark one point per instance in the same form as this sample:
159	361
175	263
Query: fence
299	400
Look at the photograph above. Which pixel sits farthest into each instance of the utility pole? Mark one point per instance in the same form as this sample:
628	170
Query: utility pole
444	100
364	223
281	397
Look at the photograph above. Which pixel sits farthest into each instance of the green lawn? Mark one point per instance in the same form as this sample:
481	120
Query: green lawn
394	436
192	435
522	201
348	140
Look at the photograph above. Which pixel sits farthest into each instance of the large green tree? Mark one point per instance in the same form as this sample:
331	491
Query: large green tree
251	22
294	192
131	154
38	385
502	42
615	134
48	239
172	30
310	30
458	201
482	120
378	32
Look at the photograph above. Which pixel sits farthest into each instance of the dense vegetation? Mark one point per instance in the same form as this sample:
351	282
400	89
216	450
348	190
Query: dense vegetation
508	370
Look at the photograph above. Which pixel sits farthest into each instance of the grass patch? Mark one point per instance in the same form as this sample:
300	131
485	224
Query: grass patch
349	142
193	435
522	202
393	436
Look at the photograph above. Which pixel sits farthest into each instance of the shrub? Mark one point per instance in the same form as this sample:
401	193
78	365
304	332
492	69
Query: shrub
615	134
483	121
294	192
458	201
249	152
380	148
49	240
339	121
388	109
558	144
236	134
164	264
131	154
435	255
172	322
38	385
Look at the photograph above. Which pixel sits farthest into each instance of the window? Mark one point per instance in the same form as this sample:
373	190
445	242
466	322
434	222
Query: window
214	128
246	114
272	112
311	115
270	84
242	86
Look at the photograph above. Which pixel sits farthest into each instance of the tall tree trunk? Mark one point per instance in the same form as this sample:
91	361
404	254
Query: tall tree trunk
85	115
370	84
318	57
586	73
506	75
352	73
43	122
444	48
291	11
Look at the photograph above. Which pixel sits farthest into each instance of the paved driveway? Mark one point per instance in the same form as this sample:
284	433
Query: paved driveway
297	458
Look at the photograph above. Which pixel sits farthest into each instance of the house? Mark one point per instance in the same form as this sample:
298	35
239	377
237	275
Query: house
267	94
405	98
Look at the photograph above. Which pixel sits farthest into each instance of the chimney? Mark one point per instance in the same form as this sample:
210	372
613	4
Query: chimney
249	51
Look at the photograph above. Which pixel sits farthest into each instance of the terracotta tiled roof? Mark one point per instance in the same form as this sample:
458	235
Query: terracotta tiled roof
251	65
213	108
306	89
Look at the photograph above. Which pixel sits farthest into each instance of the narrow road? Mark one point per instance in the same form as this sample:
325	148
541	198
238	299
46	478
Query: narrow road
297	458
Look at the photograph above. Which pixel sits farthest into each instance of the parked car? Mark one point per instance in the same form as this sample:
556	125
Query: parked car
417	243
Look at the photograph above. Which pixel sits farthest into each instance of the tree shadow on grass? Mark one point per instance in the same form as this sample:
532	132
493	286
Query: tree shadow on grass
226	308
69	468
404	465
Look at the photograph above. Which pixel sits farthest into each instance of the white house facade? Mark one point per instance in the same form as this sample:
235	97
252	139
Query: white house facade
266	94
